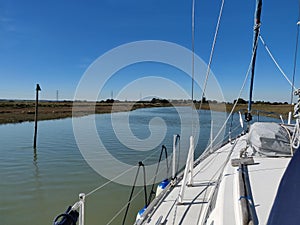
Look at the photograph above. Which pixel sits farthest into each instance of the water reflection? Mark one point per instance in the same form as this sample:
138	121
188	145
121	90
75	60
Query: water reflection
35	162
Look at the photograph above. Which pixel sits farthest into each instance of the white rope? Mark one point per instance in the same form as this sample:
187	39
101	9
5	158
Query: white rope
279	68
210	57
290	137
296	136
212	51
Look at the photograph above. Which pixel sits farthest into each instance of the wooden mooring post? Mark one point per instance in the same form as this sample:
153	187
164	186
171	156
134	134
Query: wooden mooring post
36	113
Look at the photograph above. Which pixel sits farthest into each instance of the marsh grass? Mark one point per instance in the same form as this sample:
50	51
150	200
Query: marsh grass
17	111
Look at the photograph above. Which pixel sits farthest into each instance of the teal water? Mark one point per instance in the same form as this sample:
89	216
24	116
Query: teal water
36	185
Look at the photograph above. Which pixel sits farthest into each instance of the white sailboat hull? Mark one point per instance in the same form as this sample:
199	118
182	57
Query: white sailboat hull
215	196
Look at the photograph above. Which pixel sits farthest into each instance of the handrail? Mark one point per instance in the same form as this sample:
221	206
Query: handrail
188	171
246	198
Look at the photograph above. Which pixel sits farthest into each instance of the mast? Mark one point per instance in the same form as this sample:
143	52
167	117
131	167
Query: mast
257	21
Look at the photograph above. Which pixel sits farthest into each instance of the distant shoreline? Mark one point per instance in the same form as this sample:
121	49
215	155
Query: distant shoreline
18	111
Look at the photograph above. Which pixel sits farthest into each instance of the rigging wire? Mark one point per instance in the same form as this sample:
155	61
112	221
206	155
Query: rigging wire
210	58
124	206
274	60
296	51
116	177
193	48
193	63
212	53
235	104
108	182
132	199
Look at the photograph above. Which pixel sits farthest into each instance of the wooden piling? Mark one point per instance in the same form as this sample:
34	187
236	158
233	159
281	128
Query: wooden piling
36	114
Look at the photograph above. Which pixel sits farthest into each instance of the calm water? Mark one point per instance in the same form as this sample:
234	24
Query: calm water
38	185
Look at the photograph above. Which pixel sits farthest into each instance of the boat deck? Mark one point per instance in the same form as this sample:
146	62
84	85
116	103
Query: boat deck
202	204
265	178
196	197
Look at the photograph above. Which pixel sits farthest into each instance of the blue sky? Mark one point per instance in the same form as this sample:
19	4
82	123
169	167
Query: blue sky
53	43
